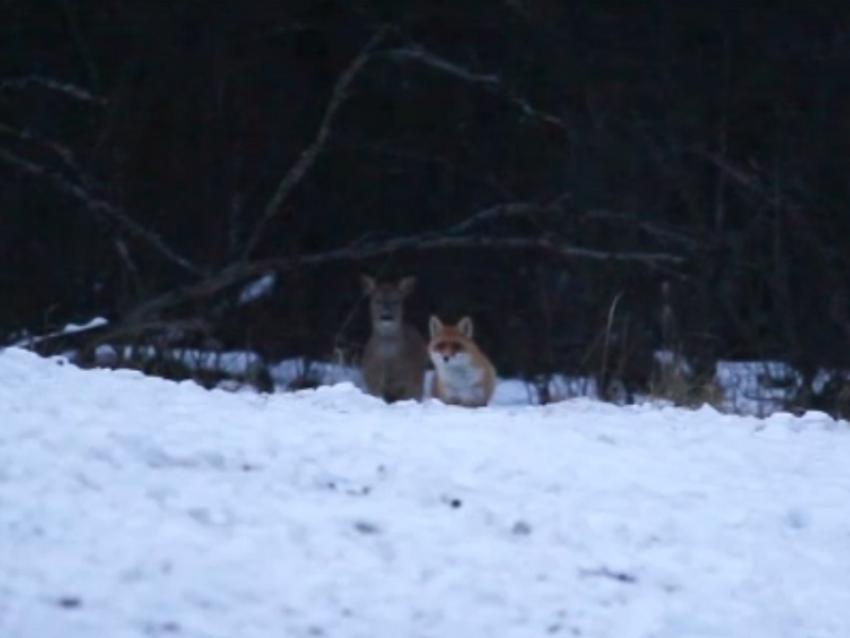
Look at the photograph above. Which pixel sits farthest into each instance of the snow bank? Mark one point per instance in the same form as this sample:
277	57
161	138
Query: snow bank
132	506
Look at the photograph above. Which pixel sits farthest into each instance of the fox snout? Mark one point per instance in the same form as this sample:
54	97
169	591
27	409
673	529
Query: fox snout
447	350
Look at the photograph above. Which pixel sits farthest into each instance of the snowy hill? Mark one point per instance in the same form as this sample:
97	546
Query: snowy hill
132	506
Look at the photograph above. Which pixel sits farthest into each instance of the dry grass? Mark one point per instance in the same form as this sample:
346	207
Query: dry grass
671	382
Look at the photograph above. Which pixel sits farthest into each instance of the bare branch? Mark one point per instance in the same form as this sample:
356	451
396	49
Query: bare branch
417	53
311	153
751	182
663	232
432	241
63	88
338	96
99	207
63	153
241	272
501	211
450	238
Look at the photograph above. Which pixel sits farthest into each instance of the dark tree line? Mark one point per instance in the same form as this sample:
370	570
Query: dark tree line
591	181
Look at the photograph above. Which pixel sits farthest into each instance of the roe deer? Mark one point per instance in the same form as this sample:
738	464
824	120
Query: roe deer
463	374
396	356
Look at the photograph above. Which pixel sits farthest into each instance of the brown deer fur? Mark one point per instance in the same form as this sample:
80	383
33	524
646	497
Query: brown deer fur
396	356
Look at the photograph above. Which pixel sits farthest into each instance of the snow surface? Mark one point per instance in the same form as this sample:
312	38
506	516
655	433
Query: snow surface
132	506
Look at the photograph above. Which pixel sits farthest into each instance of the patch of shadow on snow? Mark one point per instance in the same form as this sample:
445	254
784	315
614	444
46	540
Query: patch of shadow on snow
69	602
453	502
611	574
164	628
367	528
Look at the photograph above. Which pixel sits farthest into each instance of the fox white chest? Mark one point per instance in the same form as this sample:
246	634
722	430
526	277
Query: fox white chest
461	383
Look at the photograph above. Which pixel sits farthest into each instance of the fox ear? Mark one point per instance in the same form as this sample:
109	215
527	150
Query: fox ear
434	326
368	284
465	327
406	285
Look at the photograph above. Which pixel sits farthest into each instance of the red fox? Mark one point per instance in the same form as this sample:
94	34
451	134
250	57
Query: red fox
396	356
463	375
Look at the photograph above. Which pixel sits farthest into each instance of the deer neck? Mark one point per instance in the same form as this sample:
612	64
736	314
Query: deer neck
387	330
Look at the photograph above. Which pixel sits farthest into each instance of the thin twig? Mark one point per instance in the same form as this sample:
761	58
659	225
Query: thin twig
752	182
657	229
501	211
63	153
492	82
420	54
63	88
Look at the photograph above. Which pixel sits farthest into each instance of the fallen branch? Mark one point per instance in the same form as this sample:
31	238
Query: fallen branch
311	153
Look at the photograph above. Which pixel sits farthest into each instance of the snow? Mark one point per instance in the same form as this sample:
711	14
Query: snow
71	328
257	289
133	506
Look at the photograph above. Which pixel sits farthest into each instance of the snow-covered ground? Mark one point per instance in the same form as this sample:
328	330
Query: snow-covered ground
132	506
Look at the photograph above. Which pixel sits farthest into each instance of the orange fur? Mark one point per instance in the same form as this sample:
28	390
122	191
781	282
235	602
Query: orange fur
463	375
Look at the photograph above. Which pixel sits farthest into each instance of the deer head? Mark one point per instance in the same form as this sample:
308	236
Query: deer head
386	303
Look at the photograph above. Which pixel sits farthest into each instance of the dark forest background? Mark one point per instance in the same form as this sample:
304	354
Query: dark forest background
590	181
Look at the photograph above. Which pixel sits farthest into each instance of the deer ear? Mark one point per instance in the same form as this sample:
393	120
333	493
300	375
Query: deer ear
406	285
434	326
368	284
465	327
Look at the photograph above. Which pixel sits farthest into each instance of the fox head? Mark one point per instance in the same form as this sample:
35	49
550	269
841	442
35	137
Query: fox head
450	345
386	302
